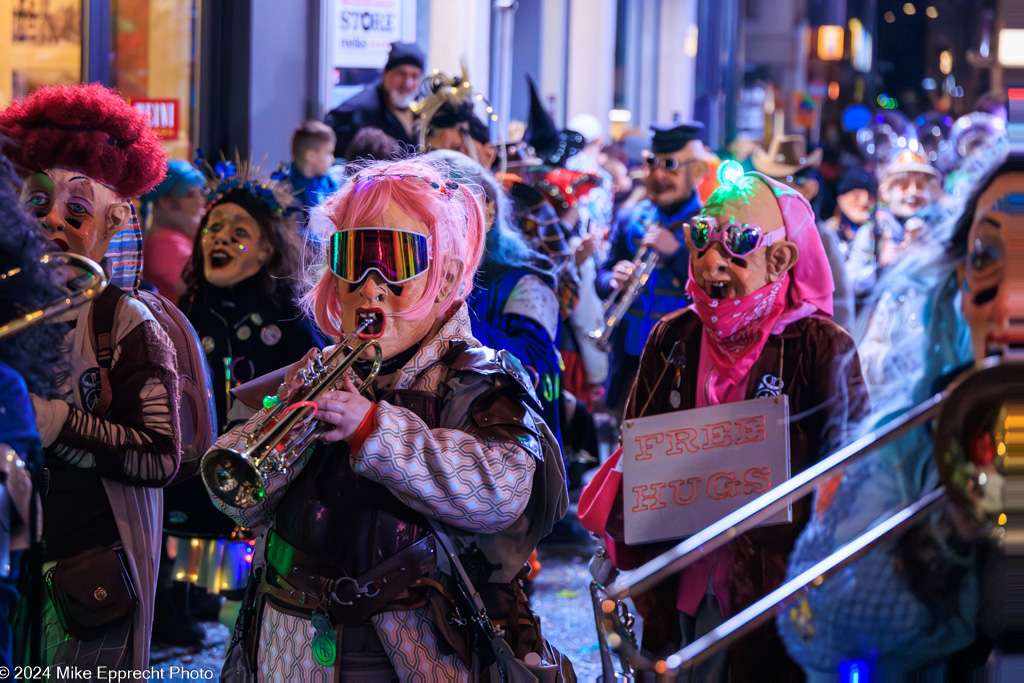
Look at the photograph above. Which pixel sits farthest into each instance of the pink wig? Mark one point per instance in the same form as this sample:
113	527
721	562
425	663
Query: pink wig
421	189
87	128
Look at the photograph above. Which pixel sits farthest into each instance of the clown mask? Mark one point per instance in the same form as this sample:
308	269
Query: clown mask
986	298
234	248
908	192
381	268
737	245
77	213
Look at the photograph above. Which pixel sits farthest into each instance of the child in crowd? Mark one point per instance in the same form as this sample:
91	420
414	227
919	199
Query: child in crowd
177	207
312	156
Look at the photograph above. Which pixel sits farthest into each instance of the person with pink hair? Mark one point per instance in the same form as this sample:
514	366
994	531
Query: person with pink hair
759	327
446	443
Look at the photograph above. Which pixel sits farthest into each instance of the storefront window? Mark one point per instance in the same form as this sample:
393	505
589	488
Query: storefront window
153	48
44	45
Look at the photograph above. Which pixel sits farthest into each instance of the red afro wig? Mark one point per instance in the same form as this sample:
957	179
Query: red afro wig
87	128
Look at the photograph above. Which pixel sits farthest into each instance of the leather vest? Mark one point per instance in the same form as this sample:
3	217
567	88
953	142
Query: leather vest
346	520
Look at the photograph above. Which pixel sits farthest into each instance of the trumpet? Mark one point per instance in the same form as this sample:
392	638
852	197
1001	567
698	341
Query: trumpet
643	265
239	478
86	288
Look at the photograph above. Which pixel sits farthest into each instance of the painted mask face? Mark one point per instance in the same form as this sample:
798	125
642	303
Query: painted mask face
721	274
184	212
908	193
986	298
77	213
376	299
233	245
856	205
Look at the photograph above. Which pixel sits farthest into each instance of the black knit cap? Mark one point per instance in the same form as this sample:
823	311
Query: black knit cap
672	137
404	53
857	178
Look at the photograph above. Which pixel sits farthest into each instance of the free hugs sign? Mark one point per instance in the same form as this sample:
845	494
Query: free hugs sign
684	470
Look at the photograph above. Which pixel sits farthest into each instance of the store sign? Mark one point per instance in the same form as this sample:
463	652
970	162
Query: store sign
684	470
362	30
163	116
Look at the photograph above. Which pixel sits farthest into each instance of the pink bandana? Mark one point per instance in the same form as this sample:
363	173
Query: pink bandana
735	331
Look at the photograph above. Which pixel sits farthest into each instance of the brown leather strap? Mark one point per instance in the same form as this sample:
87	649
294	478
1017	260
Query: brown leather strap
351	601
104	313
436	585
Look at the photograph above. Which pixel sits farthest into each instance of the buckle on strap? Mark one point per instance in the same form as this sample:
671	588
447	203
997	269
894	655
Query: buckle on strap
346	590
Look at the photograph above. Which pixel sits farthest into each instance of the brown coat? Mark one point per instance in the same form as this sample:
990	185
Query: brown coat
820	374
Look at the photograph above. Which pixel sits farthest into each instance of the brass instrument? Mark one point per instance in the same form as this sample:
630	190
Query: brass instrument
984	484
239	477
82	289
643	265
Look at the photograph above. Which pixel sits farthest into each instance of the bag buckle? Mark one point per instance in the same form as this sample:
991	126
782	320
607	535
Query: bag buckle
346	589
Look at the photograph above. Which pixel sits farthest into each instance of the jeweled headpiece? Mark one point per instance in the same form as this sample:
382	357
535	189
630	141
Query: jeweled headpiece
452	98
272	188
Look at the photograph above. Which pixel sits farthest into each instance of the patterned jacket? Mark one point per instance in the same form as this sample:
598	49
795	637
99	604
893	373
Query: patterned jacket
500	494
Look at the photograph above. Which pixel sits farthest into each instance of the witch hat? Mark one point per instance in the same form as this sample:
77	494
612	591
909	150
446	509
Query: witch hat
550	144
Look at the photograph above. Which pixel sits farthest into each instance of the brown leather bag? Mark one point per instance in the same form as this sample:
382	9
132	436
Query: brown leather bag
91	591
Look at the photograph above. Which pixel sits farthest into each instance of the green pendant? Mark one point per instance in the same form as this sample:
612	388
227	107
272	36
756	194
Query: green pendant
325	650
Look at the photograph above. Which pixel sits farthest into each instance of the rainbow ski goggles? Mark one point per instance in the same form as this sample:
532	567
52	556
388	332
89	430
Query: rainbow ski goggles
739	240
397	255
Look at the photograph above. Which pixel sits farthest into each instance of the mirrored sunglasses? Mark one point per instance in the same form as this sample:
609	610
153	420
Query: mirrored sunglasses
668	163
397	255
738	239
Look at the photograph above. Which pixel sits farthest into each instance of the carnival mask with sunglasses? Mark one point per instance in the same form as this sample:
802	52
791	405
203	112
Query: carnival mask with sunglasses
986	299
672	177
380	274
738	244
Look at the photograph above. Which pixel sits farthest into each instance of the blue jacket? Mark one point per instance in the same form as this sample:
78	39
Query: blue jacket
310	191
666	290
17	419
522	337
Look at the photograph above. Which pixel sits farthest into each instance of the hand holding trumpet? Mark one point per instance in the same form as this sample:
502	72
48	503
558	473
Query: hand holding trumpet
342	408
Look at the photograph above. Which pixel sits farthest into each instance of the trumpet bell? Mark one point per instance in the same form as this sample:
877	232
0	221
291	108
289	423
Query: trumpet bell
282	436
979	445
233	478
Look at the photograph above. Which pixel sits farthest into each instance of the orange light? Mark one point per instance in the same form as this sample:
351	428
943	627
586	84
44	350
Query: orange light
833	90
830	43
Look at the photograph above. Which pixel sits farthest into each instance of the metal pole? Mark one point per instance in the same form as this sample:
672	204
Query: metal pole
756	511
763	609
501	61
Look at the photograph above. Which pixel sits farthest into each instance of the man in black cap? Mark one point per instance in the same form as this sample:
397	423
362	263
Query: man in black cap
383	104
675	167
